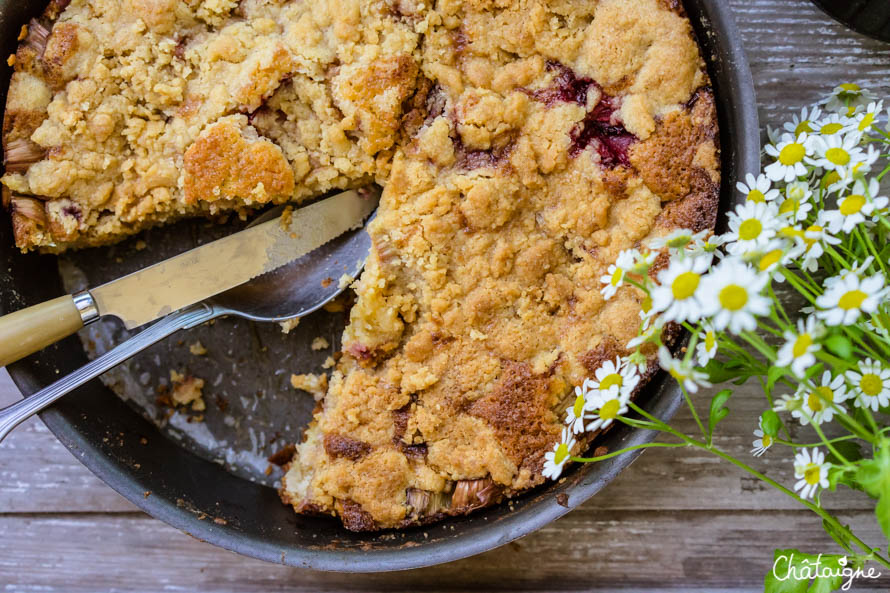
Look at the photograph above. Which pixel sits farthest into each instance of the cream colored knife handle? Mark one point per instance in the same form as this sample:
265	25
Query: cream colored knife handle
29	330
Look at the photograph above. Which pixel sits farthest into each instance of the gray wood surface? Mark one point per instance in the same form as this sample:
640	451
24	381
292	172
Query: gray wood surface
677	519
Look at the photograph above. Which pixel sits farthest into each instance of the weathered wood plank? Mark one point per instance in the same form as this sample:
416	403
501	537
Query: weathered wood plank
589	548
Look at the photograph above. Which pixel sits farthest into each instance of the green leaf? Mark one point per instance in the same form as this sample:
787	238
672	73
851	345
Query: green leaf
718	410
793	571
771	423
841	475
874	475
840	346
722	371
773	375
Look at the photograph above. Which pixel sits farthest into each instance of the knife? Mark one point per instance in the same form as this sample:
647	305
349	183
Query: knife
188	278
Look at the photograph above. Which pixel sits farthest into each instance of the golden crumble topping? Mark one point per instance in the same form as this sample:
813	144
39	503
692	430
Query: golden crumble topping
522	145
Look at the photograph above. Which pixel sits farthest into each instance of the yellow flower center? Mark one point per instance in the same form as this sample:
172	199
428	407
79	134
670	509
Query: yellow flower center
832	128
852	204
830	179
850	87
617	277
646	305
788	206
562	452
810	240
578	408
766	440
750	229
837	156
803	126
812	474
816	400
611	380
755	195
733	297
801	345
792	154
852	299
685	285
866	122
609	411
770	259
871	384
710	340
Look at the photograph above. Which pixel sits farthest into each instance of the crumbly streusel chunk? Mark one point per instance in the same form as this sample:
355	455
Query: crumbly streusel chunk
124	114
547	137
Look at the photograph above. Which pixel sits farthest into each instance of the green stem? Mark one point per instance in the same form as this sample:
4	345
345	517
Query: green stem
627	449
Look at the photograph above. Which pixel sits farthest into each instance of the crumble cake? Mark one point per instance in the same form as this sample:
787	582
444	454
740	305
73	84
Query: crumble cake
522	145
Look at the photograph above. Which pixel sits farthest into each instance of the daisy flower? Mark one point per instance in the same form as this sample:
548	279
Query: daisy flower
649	334
614	375
731	296
789	153
796	204
871	384
757	189
556	459
866	119
682	371
677	290
751	226
575	412
706	348
818	404
776	254
855	208
811	240
677	240
763	441
804	122
614	277
709	246
797	352
811	472
788	403
831	124
848	99
837	153
604	407
847	297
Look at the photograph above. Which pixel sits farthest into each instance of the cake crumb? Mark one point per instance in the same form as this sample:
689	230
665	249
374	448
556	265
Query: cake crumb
317	385
187	390
320	343
288	325
140	245
329	363
197	349
345	281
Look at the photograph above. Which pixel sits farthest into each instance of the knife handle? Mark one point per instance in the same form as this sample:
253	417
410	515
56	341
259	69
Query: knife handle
29	330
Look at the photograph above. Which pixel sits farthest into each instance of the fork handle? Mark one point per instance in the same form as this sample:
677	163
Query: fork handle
13	415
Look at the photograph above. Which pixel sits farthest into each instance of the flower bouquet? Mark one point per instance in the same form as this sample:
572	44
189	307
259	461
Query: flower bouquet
793	296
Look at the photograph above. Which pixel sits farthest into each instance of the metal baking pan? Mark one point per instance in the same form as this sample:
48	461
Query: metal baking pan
207	478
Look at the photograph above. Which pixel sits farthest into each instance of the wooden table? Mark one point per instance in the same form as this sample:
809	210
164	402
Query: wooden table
674	520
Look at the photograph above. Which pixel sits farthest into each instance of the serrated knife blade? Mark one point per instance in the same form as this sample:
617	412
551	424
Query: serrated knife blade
213	268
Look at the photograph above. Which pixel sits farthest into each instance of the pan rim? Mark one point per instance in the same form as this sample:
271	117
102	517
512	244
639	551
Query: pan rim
722	46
